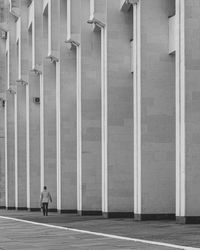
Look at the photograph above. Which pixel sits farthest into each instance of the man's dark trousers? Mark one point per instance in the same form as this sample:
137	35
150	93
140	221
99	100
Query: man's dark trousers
45	208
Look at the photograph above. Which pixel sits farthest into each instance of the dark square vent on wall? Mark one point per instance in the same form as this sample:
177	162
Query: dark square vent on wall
36	100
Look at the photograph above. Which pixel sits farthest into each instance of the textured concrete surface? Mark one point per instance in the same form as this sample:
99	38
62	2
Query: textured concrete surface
21	145
192	110
91	113
157	109
34	137
120	109
68	117
26	236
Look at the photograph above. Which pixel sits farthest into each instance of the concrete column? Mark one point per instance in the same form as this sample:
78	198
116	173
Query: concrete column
119	111
154	133
91	115
187	112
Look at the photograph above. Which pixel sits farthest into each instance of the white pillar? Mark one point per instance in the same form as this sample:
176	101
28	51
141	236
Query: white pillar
6	157
180	109
58	158
79	134
16	151
28	148
137	107
41	132
104	125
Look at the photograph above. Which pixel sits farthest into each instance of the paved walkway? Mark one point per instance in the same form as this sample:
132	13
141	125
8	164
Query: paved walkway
30	230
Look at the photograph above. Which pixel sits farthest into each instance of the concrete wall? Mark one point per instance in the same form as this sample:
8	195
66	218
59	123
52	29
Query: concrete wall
21	109
91	113
120	109
157	110
68	118
21	146
49	116
10	106
10	151
2	156
38	161
192	107
34	138
49	87
2	120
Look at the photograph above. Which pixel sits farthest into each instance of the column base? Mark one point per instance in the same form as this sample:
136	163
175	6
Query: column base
33	209
67	211
188	219
88	212
118	215
52	209
140	217
10	208
21	208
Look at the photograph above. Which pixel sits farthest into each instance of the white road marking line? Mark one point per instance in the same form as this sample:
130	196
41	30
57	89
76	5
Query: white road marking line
103	235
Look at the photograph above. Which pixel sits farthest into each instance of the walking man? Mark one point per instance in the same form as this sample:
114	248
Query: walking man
45	197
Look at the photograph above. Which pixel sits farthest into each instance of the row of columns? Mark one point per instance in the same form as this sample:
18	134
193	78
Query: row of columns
103	139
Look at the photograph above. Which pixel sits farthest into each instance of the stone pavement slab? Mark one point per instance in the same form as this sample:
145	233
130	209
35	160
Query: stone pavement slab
41	236
21	235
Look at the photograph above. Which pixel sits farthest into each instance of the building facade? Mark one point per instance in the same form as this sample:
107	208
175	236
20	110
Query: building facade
100	101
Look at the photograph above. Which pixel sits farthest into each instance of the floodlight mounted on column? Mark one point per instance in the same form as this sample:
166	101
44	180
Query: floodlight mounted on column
73	43
126	4
11	91
172	34
3	31
3	98
22	82
36	71
14	8
3	34
52	58
96	22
